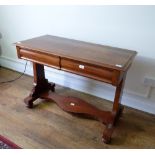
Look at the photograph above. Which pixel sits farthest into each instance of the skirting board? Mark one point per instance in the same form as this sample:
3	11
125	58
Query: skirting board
83	84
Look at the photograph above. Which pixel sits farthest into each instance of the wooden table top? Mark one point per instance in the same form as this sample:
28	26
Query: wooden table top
101	55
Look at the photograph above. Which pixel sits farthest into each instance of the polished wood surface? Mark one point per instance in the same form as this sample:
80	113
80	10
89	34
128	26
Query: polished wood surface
89	70
98	62
104	56
52	61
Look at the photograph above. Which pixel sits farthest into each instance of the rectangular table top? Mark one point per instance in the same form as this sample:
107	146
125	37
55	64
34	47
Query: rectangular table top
105	56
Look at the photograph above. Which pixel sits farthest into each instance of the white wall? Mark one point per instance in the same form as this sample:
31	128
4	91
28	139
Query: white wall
131	27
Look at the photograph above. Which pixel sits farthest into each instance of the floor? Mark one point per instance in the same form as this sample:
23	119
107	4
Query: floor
47	126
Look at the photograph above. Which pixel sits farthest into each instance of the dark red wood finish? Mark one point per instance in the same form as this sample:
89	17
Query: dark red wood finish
98	62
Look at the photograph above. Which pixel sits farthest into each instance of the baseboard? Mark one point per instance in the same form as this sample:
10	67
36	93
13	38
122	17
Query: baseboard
83	84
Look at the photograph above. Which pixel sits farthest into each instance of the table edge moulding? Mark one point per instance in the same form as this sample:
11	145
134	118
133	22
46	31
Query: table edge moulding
99	62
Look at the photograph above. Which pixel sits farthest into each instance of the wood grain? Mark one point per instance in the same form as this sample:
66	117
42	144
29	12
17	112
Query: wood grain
52	60
107	64
89	70
104	56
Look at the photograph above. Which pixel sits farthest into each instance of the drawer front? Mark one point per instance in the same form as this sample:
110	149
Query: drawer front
49	60
88	70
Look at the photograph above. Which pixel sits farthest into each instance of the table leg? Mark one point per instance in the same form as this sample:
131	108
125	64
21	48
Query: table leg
40	85
116	111
75	105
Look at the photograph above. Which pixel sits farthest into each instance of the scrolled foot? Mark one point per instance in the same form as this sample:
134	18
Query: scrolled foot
106	138
30	105
29	102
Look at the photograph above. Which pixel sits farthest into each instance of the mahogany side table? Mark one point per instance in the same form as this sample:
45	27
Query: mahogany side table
102	63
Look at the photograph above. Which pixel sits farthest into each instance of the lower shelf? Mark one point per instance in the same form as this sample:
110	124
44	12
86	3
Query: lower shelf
78	106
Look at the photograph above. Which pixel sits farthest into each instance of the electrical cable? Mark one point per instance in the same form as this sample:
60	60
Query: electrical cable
16	77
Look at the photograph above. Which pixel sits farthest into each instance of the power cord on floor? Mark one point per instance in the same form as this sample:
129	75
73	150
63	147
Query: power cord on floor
17	77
